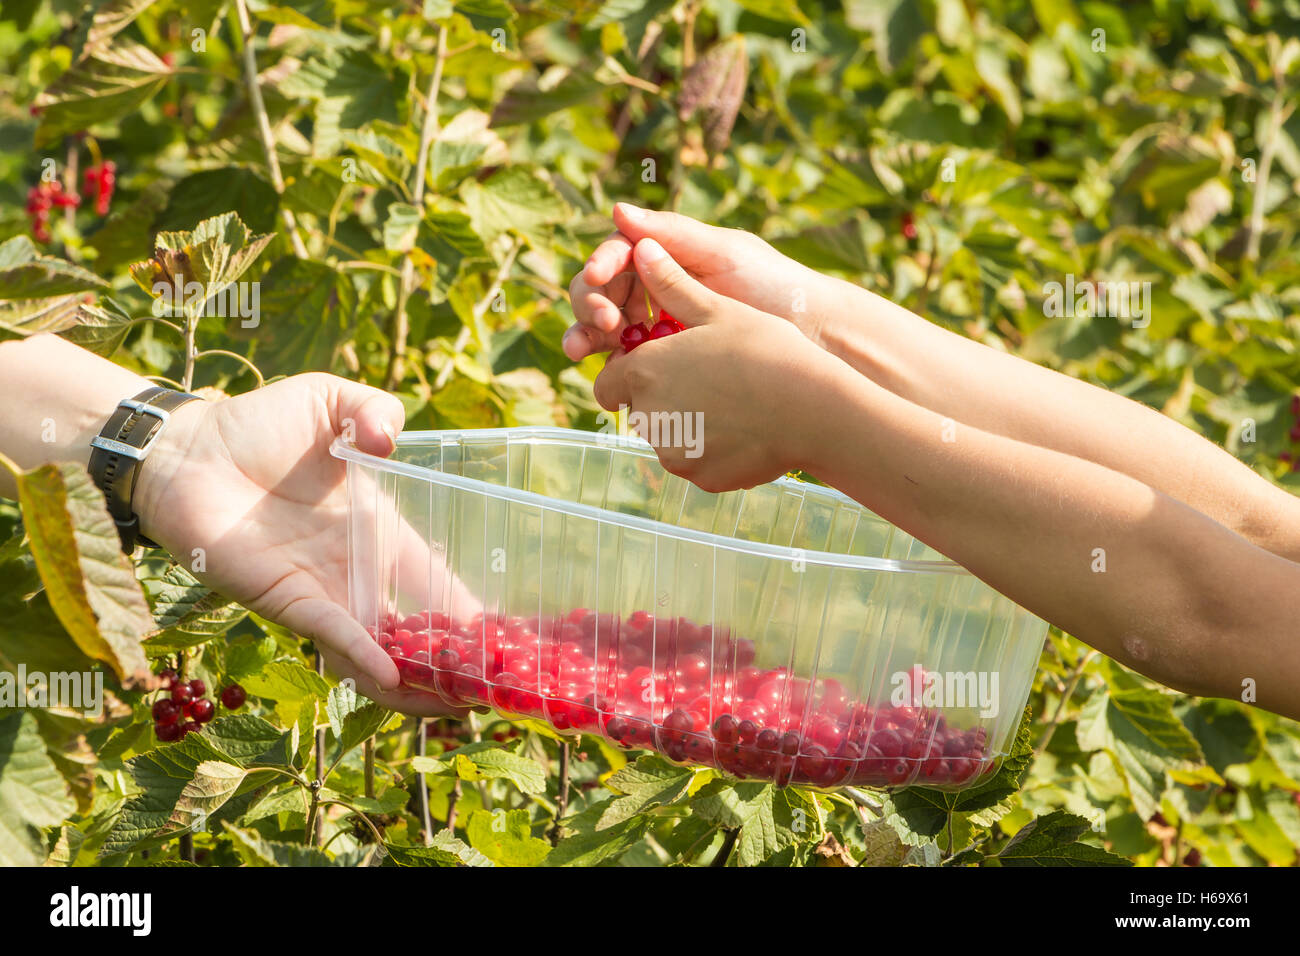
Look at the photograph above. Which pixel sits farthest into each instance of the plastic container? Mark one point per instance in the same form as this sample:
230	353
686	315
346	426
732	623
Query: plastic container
784	633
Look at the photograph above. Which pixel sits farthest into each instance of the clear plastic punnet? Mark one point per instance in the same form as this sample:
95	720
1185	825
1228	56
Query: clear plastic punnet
784	633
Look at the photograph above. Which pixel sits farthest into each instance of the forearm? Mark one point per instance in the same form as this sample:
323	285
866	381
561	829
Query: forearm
1182	599
1005	395
57	398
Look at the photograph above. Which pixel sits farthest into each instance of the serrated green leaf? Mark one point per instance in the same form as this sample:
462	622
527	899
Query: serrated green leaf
505	837
32	793
1053	840
446	850
26	274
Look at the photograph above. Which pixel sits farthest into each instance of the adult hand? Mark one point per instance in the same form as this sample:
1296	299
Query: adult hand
251	481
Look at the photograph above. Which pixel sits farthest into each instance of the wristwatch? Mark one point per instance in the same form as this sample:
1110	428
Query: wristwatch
119	448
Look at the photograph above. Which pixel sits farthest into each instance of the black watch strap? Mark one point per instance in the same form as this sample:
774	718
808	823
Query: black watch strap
125	440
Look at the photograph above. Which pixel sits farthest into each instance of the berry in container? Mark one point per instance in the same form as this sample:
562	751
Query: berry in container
783	633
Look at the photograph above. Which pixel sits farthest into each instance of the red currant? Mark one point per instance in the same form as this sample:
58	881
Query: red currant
189	727
167	676
198	688
908	226
167	732
663	329
202	710
182	694
233	697
634	335
166	711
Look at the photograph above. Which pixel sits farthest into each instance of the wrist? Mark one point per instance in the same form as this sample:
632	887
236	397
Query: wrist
157	475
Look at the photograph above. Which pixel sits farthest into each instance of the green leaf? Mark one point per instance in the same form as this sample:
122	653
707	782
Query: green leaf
1136	724
245	738
182	604
487	761
101	88
594	847
925	811
448	238
351	90
1053	840
650	782
896	26
213	255
211	192
90	583
213	783
446	850
353	718
764	814
513	198
26	274
783	11
505	837
255	850
311	307
32	793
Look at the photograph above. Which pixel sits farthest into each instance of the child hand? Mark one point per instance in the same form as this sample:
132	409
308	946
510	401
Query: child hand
731	262
745	378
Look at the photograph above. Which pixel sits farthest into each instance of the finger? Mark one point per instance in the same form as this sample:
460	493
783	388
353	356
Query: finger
325	623
418	703
610	387
670	285
611	257
600	307
689	241
374	416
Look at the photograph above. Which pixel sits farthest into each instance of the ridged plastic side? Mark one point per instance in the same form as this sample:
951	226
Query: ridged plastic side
782	633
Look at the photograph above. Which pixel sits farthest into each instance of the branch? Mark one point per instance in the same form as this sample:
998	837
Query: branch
400	327
480	308
264	126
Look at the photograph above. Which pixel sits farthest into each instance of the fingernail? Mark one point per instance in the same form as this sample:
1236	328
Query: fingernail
569	338
648	250
635	213
387	429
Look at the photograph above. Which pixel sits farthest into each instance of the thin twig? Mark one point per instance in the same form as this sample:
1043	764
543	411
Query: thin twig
451	805
319	783
733	833
562	795
1065	699
264	126
234	355
401	327
422	785
368	753
480	307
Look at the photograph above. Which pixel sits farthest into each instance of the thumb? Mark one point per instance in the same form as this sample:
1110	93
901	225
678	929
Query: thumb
373	416
670	285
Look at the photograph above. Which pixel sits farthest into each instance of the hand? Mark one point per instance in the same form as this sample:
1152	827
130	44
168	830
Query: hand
731	262
250	480
748	378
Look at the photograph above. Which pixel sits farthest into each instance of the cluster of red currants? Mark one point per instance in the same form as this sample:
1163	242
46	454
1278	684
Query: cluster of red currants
186	709
689	691
100	181
639	334
42	198
1288	456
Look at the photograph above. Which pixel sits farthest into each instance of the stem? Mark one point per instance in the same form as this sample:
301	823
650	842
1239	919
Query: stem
562	797
401	324
476	735
451	805
923	298
70	180
422	786
1277	114
319	783
234	355
480	307
191	329
368	753
1065	699
264	126
733	833
353	811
